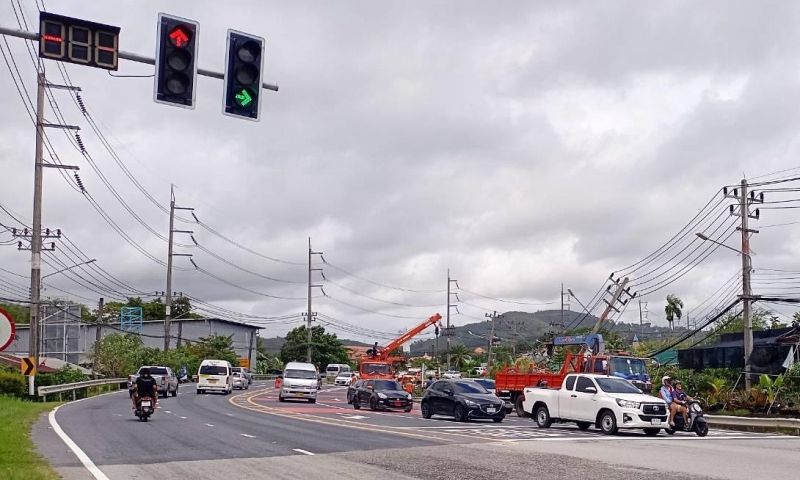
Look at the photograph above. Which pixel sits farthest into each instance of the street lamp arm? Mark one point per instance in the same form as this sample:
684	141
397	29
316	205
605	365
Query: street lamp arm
705	238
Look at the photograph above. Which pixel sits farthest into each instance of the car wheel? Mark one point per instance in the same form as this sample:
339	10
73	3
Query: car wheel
356	403
520	408
651	432
200	391
281	399
425	409
701	430
373	404
543	419
175	392
608	423
670	431
583	425
459	414
407	410
312	400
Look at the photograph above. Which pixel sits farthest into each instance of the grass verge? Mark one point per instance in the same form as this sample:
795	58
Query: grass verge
18	457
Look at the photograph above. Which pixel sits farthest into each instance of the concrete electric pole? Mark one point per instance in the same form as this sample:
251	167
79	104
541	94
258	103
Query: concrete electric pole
170	254
309	314
492	317
448	331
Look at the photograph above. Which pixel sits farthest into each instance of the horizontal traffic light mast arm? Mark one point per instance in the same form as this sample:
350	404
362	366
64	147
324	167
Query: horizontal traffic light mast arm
134	57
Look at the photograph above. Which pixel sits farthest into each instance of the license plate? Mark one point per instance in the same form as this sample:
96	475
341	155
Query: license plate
145	404
300	394
212	380
491	410
655	421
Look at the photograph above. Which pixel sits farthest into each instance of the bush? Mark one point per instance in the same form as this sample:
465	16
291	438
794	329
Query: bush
13	384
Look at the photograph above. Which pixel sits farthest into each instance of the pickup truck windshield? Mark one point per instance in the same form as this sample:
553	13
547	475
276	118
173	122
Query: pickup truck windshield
616	385
377	369
301	374
158	371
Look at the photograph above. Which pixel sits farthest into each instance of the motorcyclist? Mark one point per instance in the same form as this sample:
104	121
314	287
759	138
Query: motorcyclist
146	386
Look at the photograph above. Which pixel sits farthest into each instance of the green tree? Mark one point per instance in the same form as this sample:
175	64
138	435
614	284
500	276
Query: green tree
731	323
267	362
325	347
459	354
119	355
21	315
217	347
673	309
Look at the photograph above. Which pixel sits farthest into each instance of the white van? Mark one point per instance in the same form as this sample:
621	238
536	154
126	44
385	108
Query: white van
334	369
214	375
300	380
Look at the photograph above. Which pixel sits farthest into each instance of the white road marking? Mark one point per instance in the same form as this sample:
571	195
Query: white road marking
209	425
355	417
246	435
183	418
167	411
85	460
304	452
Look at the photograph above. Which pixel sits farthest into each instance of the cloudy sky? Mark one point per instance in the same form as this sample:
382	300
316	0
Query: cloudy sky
522	145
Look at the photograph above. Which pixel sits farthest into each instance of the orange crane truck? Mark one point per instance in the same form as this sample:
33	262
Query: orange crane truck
378	364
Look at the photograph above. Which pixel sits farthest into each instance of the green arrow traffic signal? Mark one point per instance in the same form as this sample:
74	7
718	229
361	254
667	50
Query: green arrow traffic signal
243	97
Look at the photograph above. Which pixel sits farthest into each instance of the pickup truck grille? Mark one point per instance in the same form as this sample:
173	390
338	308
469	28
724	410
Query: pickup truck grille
654	409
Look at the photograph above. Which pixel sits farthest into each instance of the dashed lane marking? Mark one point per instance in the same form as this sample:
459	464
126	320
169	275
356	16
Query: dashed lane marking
246	435
304	452
209	425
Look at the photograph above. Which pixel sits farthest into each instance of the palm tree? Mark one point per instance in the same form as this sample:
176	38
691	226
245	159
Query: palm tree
459	354
673	309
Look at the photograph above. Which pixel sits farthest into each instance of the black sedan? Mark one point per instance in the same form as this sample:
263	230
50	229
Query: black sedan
382	395
462	400
351	390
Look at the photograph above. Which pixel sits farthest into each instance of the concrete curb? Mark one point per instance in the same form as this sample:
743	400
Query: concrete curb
754	424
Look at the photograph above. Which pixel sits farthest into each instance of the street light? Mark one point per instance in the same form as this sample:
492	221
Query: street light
747	293
70	268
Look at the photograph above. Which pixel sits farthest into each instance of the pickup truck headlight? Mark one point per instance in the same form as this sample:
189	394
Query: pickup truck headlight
627	403
381	395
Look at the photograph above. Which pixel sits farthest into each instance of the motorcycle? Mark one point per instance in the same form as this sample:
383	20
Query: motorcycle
697	423
145	406
183	376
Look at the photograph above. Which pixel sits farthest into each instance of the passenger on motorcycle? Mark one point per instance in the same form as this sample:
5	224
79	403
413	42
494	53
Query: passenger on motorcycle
145	386
682	400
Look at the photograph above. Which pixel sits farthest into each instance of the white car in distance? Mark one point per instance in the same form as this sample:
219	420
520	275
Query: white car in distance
345	379
610	403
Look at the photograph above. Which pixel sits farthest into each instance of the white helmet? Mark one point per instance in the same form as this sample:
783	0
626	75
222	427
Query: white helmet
665	378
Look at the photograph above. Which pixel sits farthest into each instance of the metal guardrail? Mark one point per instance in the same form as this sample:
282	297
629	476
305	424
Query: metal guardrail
71	387
771	423
263	376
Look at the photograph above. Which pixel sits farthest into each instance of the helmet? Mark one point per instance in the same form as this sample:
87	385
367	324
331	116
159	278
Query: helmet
665	379
145	372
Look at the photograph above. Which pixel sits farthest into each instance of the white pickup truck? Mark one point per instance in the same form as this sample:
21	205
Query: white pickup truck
610	403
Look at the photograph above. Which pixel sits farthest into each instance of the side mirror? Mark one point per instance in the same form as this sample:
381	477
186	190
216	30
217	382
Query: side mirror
590	390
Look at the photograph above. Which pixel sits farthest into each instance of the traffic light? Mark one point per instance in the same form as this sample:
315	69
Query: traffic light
176	61
244	62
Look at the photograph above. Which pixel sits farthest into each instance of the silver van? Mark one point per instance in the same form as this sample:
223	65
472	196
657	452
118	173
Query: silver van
300	380
334	369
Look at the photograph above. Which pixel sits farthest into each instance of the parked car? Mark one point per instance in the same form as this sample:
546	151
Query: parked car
239	381
245	372
610	403
165	379
382	395
214	375
351	390
451	374
300	380
345	378
462	400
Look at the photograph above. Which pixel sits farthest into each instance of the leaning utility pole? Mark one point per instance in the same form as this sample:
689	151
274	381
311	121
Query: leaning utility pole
170	254
615	298
309	314
448	331
36	233
98	335
746	199
492	317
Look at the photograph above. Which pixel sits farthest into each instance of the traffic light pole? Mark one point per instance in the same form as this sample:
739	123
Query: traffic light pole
133	57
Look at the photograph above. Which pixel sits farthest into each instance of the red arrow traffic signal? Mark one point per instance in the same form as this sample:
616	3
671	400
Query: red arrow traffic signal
179	37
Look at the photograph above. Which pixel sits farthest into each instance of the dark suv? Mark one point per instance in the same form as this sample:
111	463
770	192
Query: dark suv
462	400
383	395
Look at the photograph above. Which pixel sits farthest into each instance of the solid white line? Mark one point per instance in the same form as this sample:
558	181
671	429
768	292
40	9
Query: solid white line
246	435
304	452
85	460
209	425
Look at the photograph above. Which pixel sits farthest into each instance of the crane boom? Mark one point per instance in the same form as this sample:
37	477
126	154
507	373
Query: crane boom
391	346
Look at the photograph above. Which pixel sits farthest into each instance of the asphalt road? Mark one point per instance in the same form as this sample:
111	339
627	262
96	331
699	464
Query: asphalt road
251	434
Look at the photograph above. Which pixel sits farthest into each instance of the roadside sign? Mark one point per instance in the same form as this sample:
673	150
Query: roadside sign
244	362
28	366
8	331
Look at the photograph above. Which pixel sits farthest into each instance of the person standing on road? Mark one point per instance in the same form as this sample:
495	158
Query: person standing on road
145	386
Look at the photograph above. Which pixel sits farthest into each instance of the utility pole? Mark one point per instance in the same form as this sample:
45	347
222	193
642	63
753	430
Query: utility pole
98	335
620	284
170	254
564	307
745	199
492	317
448	330
36	233
309	314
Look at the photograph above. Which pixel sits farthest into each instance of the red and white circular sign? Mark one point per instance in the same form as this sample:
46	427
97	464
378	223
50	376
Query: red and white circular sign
7	329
